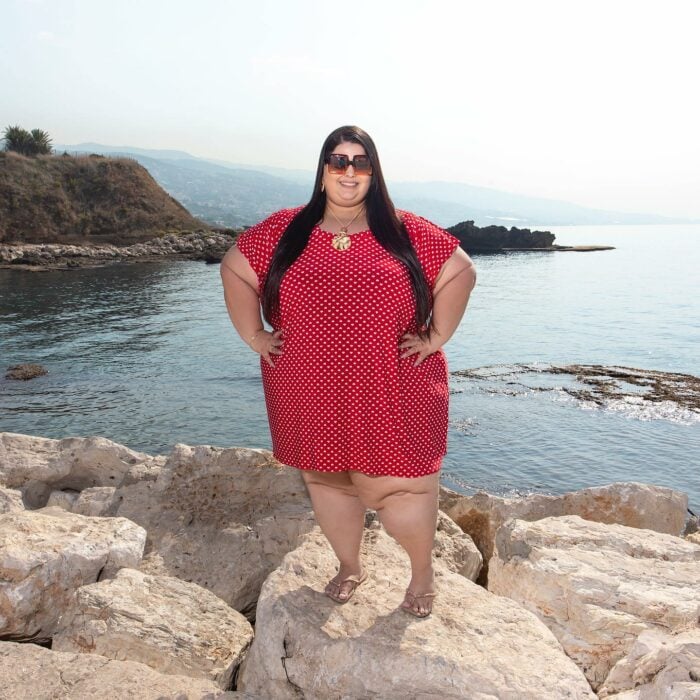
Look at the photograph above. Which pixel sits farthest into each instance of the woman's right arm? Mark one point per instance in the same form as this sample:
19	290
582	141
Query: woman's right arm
243	304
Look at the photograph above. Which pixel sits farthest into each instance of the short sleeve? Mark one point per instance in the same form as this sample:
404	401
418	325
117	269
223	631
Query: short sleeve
433	244
258	242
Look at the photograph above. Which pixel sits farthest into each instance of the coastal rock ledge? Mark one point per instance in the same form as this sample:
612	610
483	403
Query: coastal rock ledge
200	574
204	245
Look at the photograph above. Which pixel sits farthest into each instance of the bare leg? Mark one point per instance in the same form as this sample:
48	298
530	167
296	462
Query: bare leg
407	508
341	516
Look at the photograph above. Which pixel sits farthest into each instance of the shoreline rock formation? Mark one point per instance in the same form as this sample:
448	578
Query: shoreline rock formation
209	246
495	239
201	572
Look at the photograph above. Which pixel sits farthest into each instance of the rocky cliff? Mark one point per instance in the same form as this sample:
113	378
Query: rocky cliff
85	199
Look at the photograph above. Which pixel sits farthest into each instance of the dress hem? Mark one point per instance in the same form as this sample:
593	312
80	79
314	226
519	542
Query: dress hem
433	467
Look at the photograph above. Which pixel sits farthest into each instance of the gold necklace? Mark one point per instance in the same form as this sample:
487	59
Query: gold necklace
341	240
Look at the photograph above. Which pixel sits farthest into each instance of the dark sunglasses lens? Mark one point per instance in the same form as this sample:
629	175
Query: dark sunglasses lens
362	164
337	164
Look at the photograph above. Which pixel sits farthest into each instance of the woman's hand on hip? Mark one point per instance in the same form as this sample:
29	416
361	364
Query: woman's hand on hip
267	344
413	344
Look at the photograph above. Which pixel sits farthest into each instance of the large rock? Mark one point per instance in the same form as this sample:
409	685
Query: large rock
597	586
71	463
658	665
63	499
489	238
10	500
31	671
625	503
97	501
45	555
170	625
474	645
455	550
221	518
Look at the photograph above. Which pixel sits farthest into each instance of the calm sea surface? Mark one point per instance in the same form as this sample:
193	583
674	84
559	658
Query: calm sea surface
146	356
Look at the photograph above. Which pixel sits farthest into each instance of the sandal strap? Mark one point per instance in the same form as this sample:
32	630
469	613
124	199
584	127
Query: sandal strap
353	578
421	595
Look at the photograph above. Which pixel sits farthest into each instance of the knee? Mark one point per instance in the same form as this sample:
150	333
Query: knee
379	501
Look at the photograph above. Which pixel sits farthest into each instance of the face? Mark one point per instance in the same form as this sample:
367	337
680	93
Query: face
349	189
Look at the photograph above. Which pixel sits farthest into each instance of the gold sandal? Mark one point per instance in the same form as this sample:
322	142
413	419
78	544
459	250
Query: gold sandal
413	597
354	579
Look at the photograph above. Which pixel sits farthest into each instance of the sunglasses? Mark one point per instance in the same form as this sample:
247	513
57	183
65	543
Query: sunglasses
338	163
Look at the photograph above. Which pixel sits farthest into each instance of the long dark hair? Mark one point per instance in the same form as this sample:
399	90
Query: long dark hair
385	225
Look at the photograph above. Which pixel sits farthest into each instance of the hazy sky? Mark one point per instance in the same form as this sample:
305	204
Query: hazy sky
593	101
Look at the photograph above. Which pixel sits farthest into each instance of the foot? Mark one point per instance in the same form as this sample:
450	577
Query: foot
419	596
342	586
418	604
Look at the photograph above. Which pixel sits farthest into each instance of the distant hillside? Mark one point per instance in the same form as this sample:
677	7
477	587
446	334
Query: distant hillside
232	194
66	199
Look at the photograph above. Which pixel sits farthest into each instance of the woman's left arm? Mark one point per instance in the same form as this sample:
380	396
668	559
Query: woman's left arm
451	291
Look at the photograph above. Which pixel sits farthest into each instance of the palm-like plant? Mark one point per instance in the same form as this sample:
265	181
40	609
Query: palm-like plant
28	143
18	139
42	142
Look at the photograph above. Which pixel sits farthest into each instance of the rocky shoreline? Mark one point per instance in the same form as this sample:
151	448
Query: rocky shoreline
209	246
200	574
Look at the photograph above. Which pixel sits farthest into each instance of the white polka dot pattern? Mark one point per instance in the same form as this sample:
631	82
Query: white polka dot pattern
340	397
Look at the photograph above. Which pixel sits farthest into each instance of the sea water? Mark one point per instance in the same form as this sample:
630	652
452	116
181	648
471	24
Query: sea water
145	355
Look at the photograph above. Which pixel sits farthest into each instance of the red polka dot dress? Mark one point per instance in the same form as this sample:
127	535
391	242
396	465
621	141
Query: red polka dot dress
340	397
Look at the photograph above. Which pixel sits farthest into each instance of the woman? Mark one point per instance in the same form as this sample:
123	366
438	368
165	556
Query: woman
355	381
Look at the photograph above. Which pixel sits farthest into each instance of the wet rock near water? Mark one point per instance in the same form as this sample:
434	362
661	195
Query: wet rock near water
25	371
209	246
606	383
644	392
489	239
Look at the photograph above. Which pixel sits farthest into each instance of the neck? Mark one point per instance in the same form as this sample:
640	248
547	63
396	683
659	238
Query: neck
346	213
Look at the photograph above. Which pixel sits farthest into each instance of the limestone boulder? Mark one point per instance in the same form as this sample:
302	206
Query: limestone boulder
658	665
172	626
597	586
625	503
475	644
10	500
32	671
96	501
63	499
46	554
220	518
71	463
455	550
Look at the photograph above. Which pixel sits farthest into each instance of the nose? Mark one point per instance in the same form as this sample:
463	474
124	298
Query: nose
347	172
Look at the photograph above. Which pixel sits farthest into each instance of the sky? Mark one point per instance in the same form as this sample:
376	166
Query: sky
589	101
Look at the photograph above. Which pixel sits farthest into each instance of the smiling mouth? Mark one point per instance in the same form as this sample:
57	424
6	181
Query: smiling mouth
349	184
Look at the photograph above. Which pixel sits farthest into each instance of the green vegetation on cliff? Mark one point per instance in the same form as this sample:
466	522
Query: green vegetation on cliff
29	143
85	199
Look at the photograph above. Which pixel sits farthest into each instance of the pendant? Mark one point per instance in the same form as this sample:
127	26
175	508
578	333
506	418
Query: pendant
341	240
